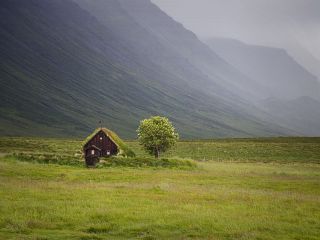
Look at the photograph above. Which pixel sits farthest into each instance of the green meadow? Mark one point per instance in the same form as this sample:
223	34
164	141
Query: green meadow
234	189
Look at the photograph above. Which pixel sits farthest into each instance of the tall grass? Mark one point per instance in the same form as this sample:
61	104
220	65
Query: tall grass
217	201
282	150
48	194
136	162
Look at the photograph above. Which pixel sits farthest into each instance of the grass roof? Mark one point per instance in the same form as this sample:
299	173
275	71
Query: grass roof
123	148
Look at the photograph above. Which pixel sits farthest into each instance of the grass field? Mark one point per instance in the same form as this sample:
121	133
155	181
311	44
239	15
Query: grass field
280	150
241	189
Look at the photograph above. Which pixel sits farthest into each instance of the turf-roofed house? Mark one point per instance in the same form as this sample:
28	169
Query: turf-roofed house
104	143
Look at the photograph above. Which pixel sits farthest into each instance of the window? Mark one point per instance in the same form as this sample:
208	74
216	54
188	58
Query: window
92	152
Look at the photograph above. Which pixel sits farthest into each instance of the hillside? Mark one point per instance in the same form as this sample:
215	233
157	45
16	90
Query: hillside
302	114
64	69
186	44
273	71
287	91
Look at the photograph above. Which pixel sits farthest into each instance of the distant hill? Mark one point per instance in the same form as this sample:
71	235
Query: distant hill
222	78
273	71
65	65
287	91
305	58
302	114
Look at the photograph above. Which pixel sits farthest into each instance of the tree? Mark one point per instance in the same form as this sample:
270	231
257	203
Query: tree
157	135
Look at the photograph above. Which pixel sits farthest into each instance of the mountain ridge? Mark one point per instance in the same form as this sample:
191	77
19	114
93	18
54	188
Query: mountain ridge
63	70
272	68
291	98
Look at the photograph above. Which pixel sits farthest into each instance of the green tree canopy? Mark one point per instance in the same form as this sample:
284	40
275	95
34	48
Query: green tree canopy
157	135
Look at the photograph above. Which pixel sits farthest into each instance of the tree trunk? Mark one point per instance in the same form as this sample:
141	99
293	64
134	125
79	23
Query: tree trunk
156	153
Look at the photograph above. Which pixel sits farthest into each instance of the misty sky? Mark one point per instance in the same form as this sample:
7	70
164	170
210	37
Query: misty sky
290	24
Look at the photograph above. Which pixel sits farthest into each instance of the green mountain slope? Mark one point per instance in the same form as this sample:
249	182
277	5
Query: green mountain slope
62	70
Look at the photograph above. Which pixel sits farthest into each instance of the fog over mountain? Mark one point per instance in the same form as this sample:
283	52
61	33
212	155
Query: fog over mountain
275	44
285	89
67	64
275	72
290	24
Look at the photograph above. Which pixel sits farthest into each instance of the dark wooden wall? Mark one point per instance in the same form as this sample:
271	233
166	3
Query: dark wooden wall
102	141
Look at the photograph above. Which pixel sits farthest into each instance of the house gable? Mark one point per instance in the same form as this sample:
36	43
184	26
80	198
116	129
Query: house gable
104	143
109	143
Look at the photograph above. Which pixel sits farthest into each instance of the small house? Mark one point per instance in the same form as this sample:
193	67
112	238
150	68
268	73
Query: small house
104	143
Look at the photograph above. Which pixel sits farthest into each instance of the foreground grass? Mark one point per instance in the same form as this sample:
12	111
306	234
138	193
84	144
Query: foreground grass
274	193
218	201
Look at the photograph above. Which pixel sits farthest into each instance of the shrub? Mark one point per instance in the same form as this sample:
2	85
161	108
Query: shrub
48	159
147	162
136	162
